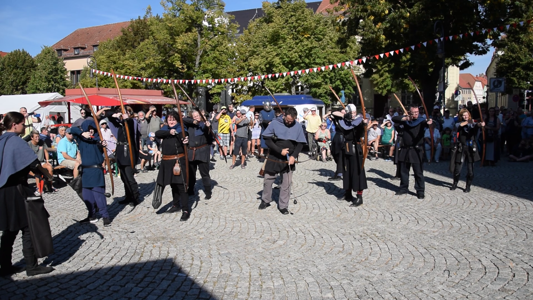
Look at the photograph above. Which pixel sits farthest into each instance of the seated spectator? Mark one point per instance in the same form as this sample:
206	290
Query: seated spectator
388	136
523	152
60	134
68	155
374	134
323	139
153	149
446	142
38	146
44	136
437	147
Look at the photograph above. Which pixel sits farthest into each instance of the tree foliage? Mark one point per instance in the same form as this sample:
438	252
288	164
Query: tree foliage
515	51
15	72
49	75
290	37
387	25
190	41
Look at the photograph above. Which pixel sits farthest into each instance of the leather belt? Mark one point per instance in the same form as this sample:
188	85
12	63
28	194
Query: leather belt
173	157
122	143
195	148
280	161
92	167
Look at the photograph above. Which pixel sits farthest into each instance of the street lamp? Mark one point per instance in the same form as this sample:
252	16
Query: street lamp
441	54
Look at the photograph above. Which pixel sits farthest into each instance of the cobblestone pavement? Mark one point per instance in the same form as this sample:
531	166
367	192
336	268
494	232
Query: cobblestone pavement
450	245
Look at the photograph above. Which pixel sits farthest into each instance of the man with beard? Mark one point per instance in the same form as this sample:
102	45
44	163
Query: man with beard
117	123
285	138
198	151
352	127
411	150
28	124
266	116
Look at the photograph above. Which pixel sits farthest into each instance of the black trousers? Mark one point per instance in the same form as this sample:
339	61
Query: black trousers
204	174
339	161
180	198
459	167
419	176
6	246
130	184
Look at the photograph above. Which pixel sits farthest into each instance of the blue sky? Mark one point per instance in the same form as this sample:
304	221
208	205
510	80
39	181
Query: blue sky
31	24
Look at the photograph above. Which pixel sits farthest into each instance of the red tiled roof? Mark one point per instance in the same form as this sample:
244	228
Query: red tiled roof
465	79
2	54
482	79
86	38
325	5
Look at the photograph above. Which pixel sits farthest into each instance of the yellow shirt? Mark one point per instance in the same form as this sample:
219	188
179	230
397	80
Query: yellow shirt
224	124
313	123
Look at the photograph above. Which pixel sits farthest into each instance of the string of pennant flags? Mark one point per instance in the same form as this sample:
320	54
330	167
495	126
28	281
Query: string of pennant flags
316	69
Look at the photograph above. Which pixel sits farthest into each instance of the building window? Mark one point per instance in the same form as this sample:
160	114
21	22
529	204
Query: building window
76	51
59	52
75	77
95	47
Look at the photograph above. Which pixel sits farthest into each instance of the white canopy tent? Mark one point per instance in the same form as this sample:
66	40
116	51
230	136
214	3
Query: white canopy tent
31	102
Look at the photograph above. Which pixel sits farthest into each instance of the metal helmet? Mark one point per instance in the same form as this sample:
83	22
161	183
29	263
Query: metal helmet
350	108
267	106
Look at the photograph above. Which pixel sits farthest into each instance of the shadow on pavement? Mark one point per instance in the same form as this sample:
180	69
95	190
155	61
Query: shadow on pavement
156	279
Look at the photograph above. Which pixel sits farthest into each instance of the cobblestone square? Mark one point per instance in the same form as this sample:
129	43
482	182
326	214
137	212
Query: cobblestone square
451	245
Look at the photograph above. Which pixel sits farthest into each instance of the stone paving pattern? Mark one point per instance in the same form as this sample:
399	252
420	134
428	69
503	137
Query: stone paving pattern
450	245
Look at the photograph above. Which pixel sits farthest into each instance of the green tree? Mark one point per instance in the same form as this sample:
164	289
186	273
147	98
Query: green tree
49	75
515	62
290	37
388	25
15	72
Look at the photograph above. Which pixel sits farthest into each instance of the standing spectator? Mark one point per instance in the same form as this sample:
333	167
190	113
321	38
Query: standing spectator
28	124
46	122
109	138
241	137
68	155
59	118
388	136
214	127
447	121
527	124
256	133
330	125
492	154
85	114
323	138
250	116
446	140
143	128
231	111
153	119
224	126
374	134
437	147
313	123
153	149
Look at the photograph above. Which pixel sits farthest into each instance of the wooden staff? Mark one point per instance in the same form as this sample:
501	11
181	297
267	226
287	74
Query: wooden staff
427	114
403	107
337	97
183	136
108	164
130	145
205	121
365	146
482	128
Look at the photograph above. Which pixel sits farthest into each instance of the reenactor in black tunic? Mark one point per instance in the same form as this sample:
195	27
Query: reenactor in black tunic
173	150
465	149
198	152
337	146
411	150
352	128
117	123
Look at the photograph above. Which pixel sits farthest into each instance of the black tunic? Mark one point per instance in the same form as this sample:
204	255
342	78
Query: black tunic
171	145
122	152
277	163
412	143
198	136
467	139
353	176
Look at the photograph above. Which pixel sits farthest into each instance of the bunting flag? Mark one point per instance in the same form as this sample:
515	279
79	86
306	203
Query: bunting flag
327	67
